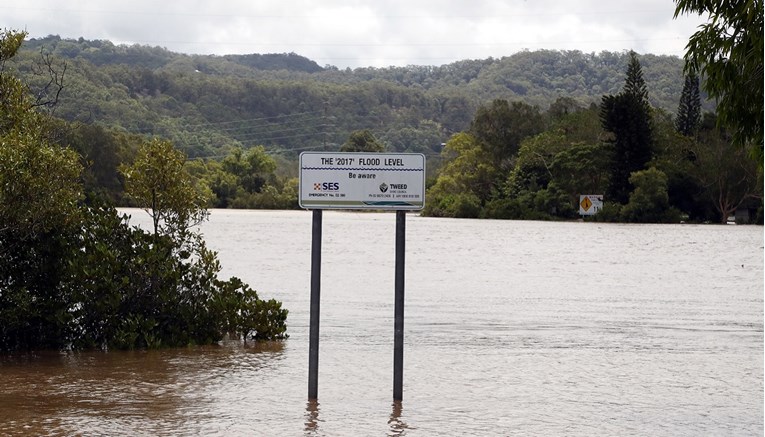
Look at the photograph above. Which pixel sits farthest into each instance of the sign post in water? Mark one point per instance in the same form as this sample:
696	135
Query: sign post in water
382	181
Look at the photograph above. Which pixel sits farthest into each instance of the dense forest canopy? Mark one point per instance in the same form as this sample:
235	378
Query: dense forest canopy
208	105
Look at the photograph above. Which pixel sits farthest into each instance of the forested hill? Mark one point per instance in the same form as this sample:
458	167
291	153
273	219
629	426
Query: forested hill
288	103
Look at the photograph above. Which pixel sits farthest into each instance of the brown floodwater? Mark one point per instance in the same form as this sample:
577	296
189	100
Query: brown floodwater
512	328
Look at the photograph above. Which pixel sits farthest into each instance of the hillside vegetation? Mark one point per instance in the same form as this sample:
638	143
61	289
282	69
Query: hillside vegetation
207	105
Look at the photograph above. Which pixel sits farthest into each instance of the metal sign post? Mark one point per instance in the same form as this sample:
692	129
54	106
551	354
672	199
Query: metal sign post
382	181
398	310
313	334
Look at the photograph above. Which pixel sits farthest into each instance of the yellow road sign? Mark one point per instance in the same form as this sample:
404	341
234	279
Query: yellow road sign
586	203
590	204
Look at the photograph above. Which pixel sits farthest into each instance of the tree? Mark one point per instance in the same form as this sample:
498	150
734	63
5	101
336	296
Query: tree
634	84
252	168
676	156
39	181
727	52
689	110
158	182
728	177
502	126
531	171
40	199
466	180
581	169
627	115
362	141
649	201
563	106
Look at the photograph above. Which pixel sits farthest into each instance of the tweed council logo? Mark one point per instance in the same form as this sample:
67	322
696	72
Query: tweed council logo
383	187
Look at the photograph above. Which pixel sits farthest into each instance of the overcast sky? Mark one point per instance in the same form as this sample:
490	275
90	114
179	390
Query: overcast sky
361	33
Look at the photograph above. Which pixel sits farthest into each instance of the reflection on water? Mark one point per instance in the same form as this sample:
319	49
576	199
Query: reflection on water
125	392
396	423
312	417
512	328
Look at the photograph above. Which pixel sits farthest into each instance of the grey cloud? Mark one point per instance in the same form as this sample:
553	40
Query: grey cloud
366	32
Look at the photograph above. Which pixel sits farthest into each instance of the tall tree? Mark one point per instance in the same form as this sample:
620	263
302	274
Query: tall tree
634	84
728	52
689	110
627	116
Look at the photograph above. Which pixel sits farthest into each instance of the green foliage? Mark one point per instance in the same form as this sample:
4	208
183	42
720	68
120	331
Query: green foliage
251	168
102	151
457	205
249	316
689	109
247	179
676	157
554	167
362	141
532	167
634	84
548	203
508	209
727	51
158	182
39	185
39	189
468	170
128	293
649	201
729	178
502	126
424	137
610	213
582	169
549	172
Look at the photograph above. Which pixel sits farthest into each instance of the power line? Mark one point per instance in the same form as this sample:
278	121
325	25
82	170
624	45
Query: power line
248	120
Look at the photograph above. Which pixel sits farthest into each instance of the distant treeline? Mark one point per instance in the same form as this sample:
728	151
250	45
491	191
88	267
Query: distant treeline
208	105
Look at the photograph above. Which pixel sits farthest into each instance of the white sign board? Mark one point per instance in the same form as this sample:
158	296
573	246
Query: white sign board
362	180
590	204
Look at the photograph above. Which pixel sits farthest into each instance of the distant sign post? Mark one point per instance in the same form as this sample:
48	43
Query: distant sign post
382	181
590	204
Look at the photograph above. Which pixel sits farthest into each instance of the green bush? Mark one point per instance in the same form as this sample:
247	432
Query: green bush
649	201
505	209
459	205
116	286
611	213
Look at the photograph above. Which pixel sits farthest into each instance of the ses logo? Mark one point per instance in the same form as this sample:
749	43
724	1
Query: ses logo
326	186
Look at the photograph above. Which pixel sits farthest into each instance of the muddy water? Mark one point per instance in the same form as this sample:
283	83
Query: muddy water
512	328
